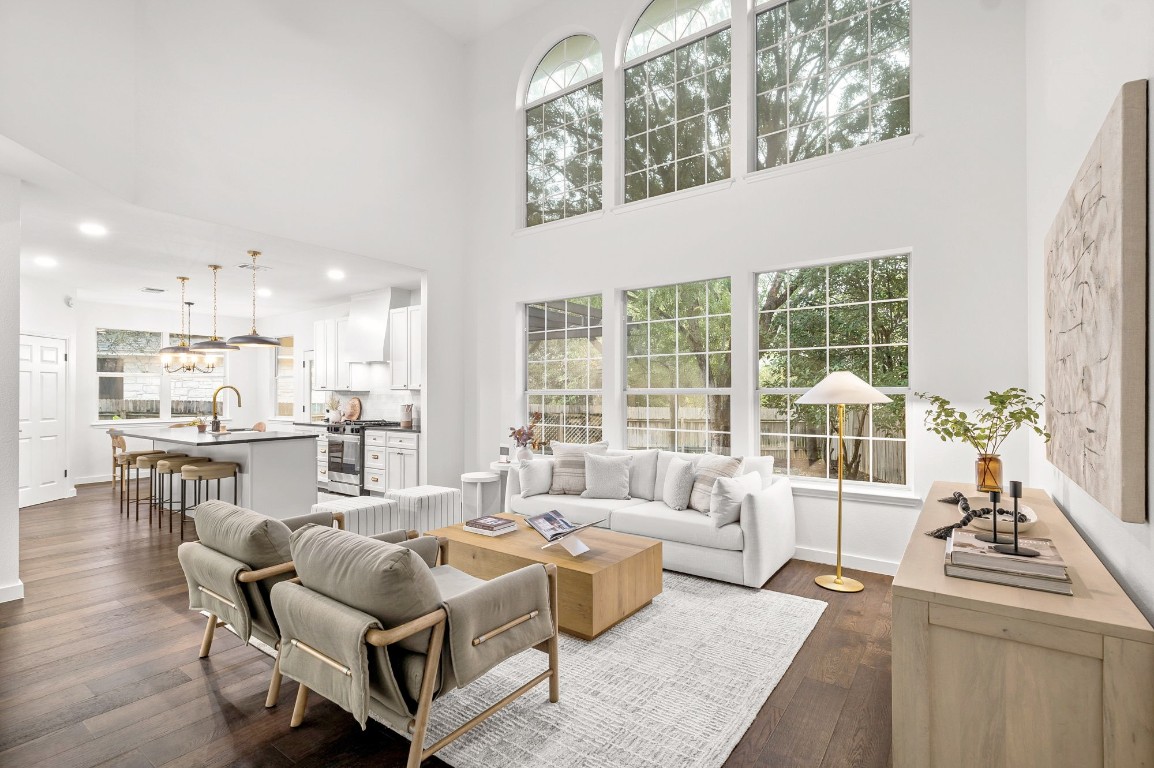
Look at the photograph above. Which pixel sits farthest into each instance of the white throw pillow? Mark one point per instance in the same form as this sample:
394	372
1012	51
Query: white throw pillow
708	470
642	473
678	484
536	476
728	493
606	477
763	465
663	459
569	466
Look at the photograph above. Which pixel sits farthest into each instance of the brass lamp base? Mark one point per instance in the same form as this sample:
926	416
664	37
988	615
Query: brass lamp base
844	584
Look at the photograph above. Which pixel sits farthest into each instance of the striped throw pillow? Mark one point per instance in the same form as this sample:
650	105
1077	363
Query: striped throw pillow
709	468
569	466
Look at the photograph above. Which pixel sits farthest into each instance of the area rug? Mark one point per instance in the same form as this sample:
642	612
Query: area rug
677	684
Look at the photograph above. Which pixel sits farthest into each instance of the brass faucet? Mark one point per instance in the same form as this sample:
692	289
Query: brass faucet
215	426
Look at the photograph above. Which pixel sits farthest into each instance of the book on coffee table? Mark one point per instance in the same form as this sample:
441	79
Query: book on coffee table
553	525
490	526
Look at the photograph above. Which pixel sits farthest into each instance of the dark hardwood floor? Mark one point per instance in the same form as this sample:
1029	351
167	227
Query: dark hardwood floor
98	666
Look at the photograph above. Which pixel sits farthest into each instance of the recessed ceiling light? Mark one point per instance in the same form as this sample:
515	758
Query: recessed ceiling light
264	293
336	274
93	229
45	261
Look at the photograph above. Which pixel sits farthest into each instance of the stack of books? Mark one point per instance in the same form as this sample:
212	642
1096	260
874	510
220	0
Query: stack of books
969	558
490	526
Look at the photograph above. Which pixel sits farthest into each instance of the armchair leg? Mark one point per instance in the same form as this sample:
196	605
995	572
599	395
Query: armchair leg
299	707
425	701
274	686
209	629
554	676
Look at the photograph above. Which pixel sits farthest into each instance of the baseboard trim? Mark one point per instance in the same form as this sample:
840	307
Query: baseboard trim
829	557
94	479
12	592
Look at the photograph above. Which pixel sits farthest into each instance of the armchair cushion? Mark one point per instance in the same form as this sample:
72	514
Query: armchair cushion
313	518
452	582
216	572
253	539
386	581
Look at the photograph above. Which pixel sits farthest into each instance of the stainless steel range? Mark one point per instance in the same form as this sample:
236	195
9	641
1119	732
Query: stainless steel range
346	455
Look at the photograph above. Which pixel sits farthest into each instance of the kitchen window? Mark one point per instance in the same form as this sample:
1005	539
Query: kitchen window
132	384
678	356
852	316
563	364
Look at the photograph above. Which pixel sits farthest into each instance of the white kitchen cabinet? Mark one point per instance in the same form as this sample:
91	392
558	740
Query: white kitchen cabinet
403	459
405	332
331	367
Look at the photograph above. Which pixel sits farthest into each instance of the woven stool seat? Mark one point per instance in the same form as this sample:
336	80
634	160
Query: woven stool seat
132	456
149	460
168	465
213	470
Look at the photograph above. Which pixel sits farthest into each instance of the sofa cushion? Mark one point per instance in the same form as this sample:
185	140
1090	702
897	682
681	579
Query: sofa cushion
657	521
606	477
728	493
642	473
535	476
663	459
577	510
254	539
569	466
388	582
762	465
678	484
705	475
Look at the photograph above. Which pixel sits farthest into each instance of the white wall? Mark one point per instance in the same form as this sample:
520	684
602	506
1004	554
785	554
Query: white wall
1078	55
11	588
954	196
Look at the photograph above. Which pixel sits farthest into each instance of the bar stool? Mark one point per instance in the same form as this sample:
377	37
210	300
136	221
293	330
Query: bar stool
170	467
127	463
480	479
119	447
148	462
212	470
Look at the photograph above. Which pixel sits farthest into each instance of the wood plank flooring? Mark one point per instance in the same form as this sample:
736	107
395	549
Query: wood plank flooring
99	667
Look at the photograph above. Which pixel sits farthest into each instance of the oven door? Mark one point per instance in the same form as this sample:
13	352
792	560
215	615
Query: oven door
345	461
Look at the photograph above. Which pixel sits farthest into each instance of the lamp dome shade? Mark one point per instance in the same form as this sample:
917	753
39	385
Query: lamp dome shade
842	388
254	340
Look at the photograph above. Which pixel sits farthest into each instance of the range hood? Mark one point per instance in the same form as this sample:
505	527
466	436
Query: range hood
367	339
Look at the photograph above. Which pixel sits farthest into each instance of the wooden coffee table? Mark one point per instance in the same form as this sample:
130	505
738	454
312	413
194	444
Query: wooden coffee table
618	576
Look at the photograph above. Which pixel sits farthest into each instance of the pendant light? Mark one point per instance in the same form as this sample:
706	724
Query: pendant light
215	344
178	358
254	339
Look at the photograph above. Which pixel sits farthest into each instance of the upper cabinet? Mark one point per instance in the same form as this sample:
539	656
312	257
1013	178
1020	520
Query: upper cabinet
332	367
405	333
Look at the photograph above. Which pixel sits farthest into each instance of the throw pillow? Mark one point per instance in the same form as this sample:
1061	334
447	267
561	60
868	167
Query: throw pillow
663	459
569	466
708	470
763	465
728	493
678	484
642	473
606	477
536	477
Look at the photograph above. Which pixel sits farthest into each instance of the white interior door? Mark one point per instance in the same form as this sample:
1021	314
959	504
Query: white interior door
43	423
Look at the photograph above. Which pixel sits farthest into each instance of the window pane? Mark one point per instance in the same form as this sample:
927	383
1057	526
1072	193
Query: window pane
192	394
119	351
664	23
563	156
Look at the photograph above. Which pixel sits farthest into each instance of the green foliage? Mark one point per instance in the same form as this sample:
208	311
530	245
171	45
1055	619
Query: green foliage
986	428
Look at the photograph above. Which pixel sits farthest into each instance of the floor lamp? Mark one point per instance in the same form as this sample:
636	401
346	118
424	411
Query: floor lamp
841	388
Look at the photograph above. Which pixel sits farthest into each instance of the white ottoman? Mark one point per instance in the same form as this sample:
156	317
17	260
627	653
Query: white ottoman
425	507
366	515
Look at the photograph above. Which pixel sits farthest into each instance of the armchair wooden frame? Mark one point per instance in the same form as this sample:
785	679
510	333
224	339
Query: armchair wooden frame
436	621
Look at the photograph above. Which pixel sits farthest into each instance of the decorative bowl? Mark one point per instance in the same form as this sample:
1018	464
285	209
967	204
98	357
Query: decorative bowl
1005	516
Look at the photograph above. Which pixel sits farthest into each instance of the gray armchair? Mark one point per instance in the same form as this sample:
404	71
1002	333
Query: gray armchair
231	571
380	629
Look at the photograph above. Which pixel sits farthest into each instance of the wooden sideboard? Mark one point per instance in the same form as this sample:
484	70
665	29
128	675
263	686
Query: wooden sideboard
989	675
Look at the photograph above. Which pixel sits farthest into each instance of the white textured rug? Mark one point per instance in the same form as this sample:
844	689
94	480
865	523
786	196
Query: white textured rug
677	684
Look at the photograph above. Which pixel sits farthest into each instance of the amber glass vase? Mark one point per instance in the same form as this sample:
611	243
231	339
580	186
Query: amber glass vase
988	472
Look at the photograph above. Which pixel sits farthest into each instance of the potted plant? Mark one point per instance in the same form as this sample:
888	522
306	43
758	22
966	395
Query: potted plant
524	437
333	409
199	423
986	428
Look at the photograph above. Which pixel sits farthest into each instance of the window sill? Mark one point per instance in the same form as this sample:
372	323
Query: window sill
117	423
549	226
827	489
681	194
889	145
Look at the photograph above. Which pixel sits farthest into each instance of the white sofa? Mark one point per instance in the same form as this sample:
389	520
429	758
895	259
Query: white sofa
746	552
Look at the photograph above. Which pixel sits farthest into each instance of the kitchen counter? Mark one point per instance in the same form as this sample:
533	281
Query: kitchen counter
416	430
322	425
189	436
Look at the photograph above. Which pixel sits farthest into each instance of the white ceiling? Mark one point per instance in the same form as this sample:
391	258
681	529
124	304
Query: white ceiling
466	20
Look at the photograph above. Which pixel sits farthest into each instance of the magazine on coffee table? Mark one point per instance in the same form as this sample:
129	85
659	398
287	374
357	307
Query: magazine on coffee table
554	527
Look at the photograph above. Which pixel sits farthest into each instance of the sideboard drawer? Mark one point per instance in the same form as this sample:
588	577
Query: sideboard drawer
403	439
375	480
375	458
374	437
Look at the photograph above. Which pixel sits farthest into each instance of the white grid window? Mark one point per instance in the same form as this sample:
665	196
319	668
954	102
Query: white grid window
831	75
131	382
563	364
678	352
563	129
852	316
677	116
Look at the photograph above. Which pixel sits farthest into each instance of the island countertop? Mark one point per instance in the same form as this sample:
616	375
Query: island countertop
189	436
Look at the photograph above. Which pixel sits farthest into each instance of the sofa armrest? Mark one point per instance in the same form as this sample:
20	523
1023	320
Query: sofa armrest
769	526
324	519
512	484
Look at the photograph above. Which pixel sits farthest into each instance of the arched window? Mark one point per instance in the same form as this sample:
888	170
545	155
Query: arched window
830	76
563	133
677	94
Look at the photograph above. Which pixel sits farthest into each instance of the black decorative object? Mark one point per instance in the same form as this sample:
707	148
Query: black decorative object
960	499
1015	490
992	537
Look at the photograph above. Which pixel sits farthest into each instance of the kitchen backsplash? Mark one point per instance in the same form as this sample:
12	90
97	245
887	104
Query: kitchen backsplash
382	404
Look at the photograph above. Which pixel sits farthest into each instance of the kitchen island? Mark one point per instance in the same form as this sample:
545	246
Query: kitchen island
277	469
